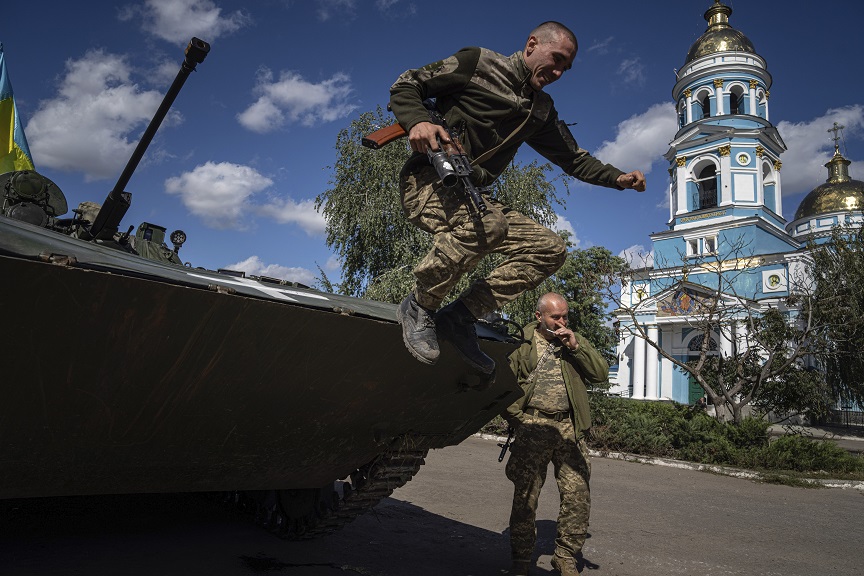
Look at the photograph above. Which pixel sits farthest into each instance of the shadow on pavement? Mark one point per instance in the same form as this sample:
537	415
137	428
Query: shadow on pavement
97	535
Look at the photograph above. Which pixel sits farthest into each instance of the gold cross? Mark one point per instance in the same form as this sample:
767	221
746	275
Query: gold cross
837	128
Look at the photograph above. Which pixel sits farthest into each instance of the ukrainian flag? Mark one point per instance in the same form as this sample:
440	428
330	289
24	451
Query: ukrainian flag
14	152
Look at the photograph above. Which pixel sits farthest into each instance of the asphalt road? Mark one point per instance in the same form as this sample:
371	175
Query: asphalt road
451	520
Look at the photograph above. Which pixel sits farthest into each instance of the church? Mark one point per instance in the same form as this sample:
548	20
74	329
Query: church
726	235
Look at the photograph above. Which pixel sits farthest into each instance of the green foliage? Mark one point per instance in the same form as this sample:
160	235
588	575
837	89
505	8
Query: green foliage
526	189
365	223
838	308
674	431
798	390
497	426
794	452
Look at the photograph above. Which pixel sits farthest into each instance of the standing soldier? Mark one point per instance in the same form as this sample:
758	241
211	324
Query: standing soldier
550	422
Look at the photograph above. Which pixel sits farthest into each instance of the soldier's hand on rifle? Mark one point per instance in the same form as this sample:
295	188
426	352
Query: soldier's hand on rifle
634	180
424	136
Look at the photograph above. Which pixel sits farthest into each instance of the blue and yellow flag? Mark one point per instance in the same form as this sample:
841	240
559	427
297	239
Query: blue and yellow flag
14	152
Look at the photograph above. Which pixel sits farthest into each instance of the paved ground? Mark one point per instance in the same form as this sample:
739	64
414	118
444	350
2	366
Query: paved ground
451	520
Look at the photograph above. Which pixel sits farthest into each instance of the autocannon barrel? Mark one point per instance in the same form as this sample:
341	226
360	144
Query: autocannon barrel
118	201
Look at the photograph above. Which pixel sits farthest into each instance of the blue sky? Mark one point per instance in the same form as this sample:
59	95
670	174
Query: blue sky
250	139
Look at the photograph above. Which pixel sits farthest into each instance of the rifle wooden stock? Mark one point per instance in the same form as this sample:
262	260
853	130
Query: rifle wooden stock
383	136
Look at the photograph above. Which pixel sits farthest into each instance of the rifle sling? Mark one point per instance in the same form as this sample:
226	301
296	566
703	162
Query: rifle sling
489	153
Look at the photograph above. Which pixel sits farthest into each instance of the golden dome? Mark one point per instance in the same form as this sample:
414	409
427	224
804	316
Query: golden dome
839	193
720	36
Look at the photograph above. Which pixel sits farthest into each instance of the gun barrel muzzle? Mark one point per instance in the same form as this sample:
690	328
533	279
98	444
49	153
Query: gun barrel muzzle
445	169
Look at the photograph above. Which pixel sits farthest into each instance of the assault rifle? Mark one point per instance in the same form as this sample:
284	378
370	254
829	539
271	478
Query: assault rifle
450	160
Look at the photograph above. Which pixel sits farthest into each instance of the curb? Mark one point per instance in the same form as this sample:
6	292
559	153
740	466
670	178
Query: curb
714	468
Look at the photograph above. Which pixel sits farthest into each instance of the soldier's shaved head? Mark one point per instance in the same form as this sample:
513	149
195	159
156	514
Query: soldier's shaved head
551	31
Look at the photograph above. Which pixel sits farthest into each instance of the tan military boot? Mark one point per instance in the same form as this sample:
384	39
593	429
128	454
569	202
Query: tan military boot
566	566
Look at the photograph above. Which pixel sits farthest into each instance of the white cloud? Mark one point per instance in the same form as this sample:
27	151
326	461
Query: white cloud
810	147
164	73
304	214
563	224
637	256
219	193
641	140
87	127
253	266
293	99
224	195
328	8
333	263
633	72
601	47
177	21
385	5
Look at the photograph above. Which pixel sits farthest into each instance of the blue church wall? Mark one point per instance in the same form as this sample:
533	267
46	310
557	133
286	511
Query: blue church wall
668	252
693	195
739	122
770	197
753	240
680	383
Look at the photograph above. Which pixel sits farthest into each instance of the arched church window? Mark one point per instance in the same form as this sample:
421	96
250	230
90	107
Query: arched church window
695	344
706	187
705	103
682	113
767	174
762	104
737	102
769	187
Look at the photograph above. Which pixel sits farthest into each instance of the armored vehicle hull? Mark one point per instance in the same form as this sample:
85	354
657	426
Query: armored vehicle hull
126	375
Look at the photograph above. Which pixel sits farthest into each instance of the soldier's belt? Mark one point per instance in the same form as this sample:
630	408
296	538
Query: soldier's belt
557	416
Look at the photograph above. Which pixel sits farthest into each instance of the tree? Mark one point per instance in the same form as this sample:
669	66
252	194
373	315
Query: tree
837	270
365	224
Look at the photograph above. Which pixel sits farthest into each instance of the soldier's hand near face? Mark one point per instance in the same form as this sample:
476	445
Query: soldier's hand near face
567	338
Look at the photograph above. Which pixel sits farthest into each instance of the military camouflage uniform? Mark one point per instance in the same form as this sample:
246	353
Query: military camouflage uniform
551	420
485	96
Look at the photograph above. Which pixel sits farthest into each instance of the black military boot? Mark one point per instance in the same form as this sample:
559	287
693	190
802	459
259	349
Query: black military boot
455	323
418	330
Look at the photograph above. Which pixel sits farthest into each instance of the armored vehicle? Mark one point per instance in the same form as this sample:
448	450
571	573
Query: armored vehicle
126	371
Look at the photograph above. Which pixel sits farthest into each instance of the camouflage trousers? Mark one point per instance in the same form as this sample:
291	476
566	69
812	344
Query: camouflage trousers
533	252
538	442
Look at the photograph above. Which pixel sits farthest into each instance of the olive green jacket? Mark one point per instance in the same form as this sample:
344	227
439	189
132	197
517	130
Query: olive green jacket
485	96
584	366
